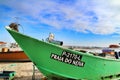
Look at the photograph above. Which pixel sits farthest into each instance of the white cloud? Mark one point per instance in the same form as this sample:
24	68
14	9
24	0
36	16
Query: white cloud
99	17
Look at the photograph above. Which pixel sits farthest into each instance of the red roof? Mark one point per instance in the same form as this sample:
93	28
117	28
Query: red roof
113	46
2	42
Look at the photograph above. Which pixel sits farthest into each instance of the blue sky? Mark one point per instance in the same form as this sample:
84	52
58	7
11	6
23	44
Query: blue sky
75	22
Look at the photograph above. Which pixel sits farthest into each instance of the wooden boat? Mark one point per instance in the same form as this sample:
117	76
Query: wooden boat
59	63
11	53
13	56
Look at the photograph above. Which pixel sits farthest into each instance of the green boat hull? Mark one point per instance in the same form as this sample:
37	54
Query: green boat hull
60	63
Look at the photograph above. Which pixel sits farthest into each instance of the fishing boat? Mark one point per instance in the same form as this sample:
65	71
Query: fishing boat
13	56
11	53
59	63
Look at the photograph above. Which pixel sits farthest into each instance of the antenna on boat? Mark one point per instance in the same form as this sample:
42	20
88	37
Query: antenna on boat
16	19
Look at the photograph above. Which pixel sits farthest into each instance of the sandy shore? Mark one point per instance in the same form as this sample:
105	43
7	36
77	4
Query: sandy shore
24	70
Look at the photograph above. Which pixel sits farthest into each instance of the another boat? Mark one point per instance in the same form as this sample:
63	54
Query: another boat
11	53
59	63
7	75
15	56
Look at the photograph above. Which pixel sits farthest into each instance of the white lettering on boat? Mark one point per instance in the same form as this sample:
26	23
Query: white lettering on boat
72	56
69	58
56	57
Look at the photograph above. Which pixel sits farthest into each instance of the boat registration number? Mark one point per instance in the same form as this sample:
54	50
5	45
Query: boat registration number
69	58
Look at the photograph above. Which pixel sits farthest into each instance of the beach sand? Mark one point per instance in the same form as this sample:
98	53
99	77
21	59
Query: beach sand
24	70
